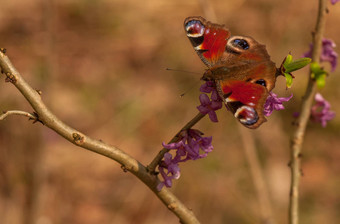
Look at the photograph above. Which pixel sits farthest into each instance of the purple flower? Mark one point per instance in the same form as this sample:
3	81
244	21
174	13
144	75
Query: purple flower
320	112
334	1
196	142
274	103
173	171
328	53
207	106
207	87
187	148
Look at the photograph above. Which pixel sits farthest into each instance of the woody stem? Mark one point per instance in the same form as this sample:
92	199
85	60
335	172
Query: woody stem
298	135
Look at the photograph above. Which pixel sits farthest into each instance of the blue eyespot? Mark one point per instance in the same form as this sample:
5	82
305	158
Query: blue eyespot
241	43
261	82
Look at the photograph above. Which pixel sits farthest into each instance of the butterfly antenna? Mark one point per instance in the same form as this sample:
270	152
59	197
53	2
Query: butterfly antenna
192	86
177	70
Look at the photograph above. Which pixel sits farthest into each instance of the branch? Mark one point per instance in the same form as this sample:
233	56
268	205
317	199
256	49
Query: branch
298	135
18	112
76	137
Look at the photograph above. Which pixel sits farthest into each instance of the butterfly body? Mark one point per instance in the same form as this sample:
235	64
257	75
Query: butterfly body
239	66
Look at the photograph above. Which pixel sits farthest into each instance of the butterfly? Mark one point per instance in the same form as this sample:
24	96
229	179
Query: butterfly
239	66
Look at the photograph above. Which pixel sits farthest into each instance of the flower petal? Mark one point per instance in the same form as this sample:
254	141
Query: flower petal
274	103
216	105
320	112
334	1
207	87
328	54
173	145
204	99
213	116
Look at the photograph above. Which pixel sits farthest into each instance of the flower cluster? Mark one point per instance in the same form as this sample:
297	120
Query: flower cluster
334	1
328	54
321	112
209	105
187	148
274	103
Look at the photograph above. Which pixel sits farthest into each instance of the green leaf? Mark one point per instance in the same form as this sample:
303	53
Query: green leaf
287	60
289	80
296	65
288	66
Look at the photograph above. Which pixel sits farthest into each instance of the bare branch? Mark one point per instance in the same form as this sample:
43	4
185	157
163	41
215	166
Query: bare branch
298	136
18	112
74	136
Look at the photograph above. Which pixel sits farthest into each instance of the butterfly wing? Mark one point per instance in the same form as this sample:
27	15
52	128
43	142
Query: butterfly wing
245	100
208	39
240	67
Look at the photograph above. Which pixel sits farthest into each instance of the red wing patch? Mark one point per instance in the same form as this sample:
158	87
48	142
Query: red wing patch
245	92
214	42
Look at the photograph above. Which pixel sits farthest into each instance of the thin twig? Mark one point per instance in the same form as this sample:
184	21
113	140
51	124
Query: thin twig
74	136
298	135
17	112
152	166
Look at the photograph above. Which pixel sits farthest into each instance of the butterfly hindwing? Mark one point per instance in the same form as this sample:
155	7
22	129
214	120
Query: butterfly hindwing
245	100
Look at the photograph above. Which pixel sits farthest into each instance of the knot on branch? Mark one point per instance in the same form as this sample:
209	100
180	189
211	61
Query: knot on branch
39	91
35	118
10	78
78	138
123	167
172	206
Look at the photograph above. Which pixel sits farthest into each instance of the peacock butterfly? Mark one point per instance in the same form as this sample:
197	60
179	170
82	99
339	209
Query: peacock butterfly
239	66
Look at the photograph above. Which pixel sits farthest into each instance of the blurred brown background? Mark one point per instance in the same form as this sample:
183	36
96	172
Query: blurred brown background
101	68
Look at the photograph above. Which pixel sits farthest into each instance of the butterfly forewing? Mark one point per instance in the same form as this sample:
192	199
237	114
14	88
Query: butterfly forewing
208	39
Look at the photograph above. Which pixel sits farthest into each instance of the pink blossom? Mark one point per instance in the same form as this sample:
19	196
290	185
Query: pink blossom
189	147
207	87
321	112
328	54
209	105
274	103
334	1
